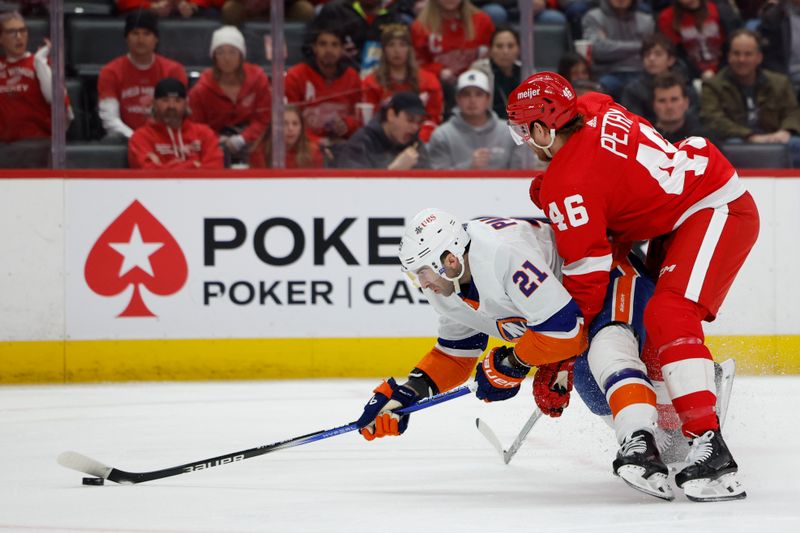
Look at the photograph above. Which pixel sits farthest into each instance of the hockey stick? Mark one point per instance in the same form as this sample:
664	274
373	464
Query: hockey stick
490	435
87	465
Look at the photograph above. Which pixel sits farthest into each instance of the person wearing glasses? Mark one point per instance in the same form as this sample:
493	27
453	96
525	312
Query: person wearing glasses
25	95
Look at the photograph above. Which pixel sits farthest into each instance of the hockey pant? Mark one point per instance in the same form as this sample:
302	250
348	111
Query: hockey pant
610	377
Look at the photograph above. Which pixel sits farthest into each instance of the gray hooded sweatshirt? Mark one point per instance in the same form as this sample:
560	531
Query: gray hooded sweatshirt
452	144
616	38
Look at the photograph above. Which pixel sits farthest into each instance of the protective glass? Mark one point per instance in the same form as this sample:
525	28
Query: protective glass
520	133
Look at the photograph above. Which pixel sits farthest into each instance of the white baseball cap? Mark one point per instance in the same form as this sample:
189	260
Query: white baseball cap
474	78
228	35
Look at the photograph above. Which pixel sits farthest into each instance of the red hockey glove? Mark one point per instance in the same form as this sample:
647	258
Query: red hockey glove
552	385
498	377
536	185
378	420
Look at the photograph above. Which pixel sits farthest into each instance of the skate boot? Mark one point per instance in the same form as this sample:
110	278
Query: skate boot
711	474
639	465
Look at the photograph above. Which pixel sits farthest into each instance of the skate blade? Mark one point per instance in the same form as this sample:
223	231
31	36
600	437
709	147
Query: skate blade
656	485
722	489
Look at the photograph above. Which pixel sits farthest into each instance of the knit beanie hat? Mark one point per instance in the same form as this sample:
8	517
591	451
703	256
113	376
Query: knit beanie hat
141	18
228	35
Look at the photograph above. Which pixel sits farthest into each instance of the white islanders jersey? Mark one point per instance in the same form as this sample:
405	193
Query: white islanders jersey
515	287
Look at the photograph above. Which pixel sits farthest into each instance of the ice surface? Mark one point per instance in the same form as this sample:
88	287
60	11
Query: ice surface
440	476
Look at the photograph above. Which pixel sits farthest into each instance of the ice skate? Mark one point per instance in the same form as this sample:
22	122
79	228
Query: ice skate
711	474
639	465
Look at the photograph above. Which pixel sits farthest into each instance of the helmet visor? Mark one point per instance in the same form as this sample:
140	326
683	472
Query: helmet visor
520	133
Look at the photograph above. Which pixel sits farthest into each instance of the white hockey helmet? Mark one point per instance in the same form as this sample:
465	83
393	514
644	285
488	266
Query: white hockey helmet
431	233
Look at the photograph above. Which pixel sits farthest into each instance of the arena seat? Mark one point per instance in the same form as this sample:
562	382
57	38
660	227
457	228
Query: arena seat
89	7
92	42
187	42
254	33
751	155
38	29
550	41
79	127
97	155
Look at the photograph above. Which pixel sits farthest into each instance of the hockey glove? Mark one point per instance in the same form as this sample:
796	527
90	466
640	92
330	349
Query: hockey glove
552	385
377	420
499	375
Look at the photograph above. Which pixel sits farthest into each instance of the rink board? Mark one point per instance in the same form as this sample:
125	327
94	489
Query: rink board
123	276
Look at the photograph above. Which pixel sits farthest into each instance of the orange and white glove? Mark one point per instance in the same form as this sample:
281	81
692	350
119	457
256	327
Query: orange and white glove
378	419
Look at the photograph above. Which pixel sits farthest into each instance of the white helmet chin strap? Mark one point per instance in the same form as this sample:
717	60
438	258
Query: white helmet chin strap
545	148
456	278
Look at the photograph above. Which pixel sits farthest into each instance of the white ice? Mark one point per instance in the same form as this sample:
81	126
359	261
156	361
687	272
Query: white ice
440	476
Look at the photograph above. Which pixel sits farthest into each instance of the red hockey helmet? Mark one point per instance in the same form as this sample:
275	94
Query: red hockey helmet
544	96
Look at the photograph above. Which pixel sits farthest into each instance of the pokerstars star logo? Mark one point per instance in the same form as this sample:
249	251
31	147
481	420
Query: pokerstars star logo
136	249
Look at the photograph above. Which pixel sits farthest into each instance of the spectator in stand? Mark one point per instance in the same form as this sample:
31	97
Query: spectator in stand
361	23
390	139
125	85
780	29
616	30
448	35
202	8
169	140
750	11
502	66
326	89
694	26
673	118
574	10
745	103
474	137
544	11
237	12
658	57
398	72
233	97
162	8
25	97
301	152
574	67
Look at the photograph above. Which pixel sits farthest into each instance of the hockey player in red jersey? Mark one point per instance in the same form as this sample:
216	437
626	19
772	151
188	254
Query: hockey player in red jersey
612	180
500	277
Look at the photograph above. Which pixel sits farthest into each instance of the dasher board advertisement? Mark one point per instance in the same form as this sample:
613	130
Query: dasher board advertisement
273	258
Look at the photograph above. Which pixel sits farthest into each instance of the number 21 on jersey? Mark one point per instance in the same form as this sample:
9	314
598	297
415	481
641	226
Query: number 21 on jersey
528	284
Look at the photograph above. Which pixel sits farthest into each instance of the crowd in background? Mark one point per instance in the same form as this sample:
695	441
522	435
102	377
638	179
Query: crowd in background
413	84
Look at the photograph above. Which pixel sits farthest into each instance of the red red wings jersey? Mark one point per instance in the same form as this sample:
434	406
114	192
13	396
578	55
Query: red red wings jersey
24	113
210	105
133	87
322	100
618	177
154	145
429	91
451	49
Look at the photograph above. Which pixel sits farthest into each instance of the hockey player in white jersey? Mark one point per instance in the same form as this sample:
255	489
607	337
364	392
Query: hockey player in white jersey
500	277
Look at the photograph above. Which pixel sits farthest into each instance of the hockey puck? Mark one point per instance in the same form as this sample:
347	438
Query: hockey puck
93	481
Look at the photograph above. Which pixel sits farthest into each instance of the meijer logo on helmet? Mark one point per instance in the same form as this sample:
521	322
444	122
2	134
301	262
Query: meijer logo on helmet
527	93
